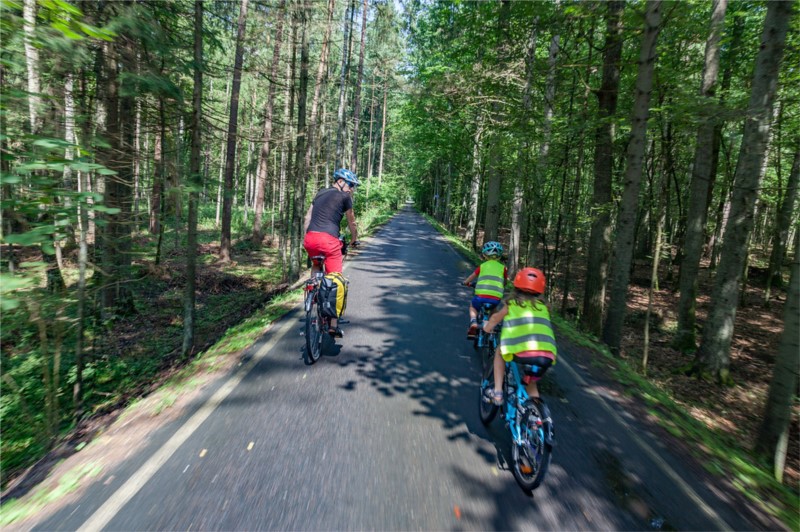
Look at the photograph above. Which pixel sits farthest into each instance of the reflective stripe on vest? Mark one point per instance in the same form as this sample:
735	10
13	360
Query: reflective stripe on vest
490	279
527	329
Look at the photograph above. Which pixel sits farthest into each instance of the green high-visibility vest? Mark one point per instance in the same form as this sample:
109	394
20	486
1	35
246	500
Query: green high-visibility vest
490	279
527	328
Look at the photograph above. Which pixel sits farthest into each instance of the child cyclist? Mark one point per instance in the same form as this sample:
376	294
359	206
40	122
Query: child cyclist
492	276
527	335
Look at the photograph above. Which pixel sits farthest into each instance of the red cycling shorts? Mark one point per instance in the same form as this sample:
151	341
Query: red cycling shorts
325	244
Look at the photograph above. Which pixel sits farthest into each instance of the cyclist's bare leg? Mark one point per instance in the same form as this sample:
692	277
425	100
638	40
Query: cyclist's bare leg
473	314
532	389
499	371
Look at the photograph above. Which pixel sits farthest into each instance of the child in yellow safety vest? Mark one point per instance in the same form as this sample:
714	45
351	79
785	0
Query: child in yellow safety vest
491	278
527	335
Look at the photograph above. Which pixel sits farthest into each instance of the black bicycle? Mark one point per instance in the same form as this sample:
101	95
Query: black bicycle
316	323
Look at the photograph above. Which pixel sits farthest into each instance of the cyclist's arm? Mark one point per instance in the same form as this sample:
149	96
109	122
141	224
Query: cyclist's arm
308	218
471	278
351	222
496	317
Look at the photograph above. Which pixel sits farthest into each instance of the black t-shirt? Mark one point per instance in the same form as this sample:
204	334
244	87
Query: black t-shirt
330	204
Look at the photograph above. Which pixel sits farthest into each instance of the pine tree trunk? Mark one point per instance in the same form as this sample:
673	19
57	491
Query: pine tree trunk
713	356
321	78
626	221
600	238
357	97
263	161
195	182
233	124
383	130
299	205
700	188
340	129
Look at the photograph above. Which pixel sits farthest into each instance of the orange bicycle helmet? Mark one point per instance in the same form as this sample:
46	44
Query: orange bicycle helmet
530	280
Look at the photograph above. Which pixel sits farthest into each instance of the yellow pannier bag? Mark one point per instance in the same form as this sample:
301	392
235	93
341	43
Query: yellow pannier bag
333	295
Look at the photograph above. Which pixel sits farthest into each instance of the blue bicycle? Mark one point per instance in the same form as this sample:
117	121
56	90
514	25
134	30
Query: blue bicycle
528	420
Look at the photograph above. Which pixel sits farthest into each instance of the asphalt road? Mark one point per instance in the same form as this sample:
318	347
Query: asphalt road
383	432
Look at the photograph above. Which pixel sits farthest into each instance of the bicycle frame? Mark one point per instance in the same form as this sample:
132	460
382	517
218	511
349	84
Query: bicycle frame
513	401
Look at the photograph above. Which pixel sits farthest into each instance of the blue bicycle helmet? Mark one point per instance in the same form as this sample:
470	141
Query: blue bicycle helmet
348	176
492	249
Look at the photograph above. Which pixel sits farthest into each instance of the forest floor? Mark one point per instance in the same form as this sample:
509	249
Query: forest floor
237	293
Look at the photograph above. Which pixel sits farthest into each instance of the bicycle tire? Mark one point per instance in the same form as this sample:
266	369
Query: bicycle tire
530	459
487	410
313	334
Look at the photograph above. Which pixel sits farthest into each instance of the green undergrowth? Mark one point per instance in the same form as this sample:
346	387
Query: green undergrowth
721	454
19	509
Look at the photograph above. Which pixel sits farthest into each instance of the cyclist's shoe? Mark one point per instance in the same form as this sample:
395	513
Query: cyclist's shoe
472	332
491	396
336	332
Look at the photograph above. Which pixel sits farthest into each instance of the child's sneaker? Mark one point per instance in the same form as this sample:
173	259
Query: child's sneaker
472	332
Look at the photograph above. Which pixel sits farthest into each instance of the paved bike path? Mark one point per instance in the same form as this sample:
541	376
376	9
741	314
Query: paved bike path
383	432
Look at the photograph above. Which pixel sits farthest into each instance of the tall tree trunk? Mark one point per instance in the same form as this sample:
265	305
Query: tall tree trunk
263	161
520	184
773	436
534	236
299	205
713	356
357	97
383	130
700	187
195	183
602	204
475	182
118	190
233	124
782	225
321	79
340	129
626	221
32	63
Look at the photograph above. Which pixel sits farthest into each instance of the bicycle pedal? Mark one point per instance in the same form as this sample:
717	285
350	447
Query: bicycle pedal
344	321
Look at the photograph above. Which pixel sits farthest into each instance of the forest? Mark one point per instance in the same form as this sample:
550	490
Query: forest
158	159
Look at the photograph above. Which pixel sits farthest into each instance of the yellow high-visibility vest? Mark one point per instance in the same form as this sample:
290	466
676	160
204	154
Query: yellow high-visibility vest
527	328
490	279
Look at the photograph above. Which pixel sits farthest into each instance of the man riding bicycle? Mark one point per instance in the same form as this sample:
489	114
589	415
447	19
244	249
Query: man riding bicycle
322	223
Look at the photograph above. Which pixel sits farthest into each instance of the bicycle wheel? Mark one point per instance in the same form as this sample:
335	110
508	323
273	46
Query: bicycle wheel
530	458
487	410
313	334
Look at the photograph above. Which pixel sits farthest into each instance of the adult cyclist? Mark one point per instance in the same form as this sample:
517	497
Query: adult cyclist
322	223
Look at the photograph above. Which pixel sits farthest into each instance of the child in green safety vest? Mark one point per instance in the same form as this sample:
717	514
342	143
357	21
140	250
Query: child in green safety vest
491	278
527	335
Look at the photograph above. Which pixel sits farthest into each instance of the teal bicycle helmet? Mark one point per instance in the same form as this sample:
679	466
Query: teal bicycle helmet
348	177
492	249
